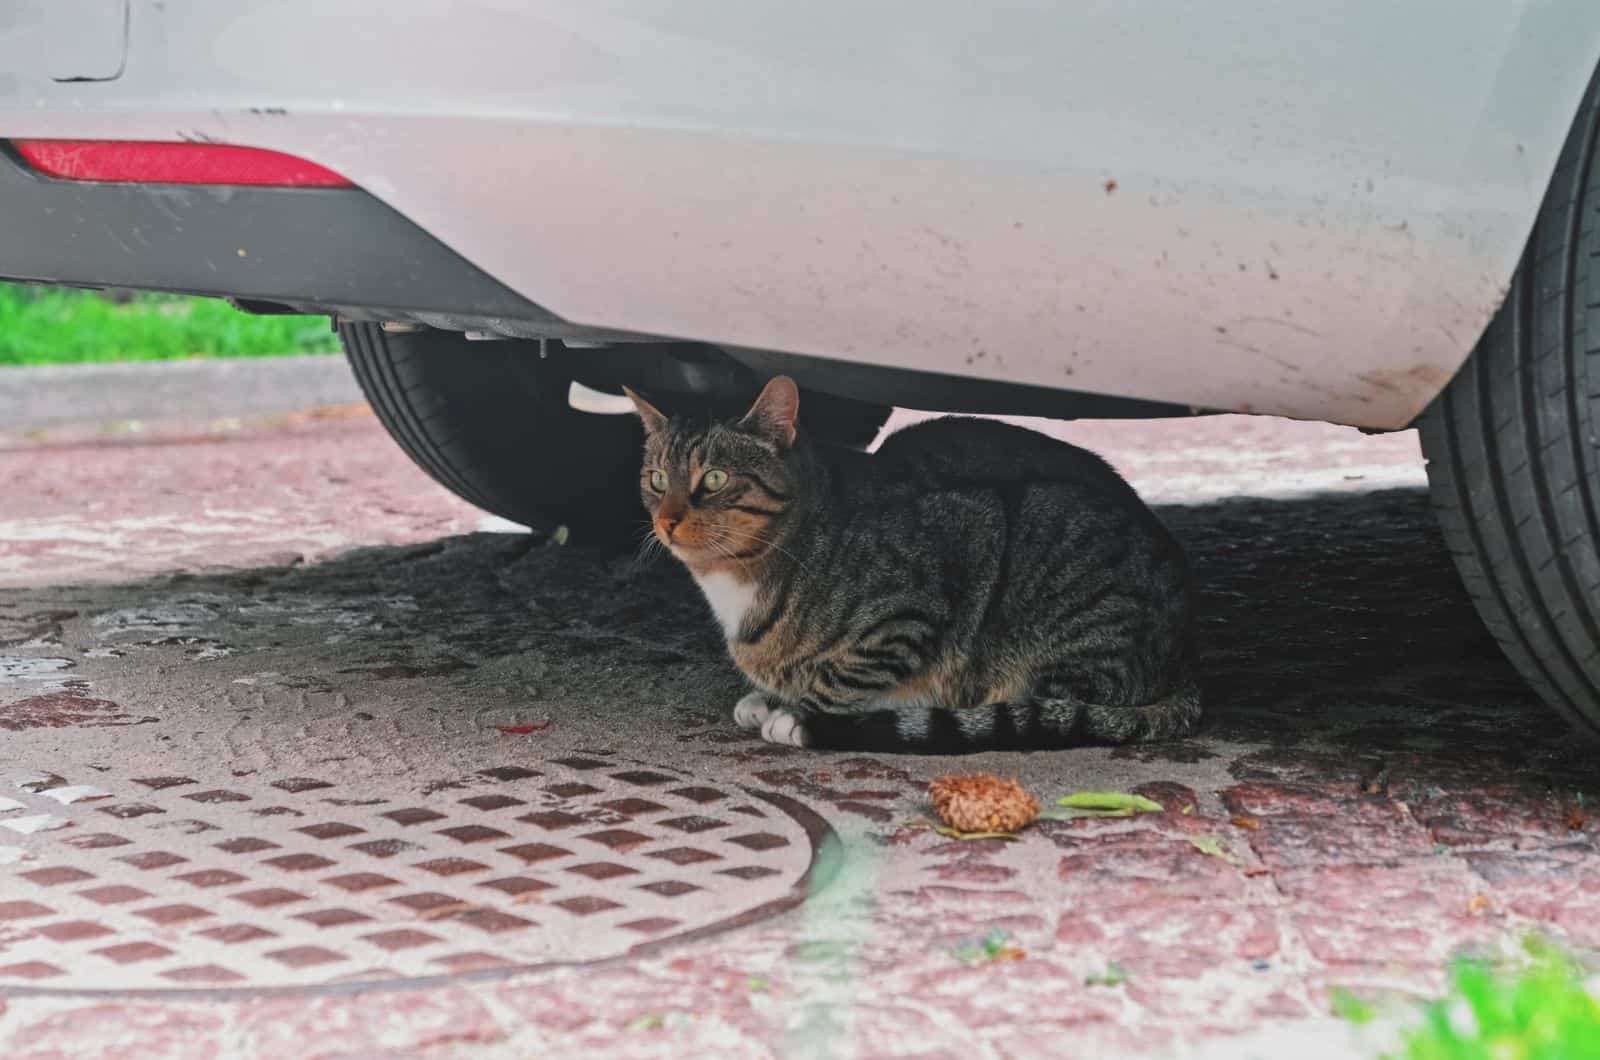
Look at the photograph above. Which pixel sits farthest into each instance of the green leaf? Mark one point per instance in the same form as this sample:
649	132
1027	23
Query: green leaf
953	833
1099	804
1114	975
1347	1006
996	946
1210	844
1114	803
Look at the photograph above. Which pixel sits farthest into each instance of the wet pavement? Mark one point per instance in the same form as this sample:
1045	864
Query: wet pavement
296	760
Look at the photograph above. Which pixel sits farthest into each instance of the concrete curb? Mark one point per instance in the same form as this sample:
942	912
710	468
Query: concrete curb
51	395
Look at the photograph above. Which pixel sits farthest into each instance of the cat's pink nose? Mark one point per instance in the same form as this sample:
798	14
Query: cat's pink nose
668	523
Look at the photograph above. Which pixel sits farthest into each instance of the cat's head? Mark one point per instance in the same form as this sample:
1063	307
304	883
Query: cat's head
717	490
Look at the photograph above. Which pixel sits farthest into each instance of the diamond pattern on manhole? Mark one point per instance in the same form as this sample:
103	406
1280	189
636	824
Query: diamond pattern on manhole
182	882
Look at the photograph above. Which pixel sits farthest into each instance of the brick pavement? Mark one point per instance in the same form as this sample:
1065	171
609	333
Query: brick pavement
1374	790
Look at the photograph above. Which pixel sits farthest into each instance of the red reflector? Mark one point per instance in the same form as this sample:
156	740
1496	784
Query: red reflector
130	161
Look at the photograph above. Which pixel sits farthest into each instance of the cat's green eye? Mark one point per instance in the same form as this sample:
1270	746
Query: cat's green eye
714	480
658	481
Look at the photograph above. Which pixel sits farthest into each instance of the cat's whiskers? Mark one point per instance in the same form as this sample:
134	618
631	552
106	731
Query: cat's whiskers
726	552
723	544
767	541
649	546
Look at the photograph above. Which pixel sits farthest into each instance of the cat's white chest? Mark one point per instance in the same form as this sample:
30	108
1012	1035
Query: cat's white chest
729	598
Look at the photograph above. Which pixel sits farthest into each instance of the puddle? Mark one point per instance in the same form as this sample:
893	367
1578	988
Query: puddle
37	675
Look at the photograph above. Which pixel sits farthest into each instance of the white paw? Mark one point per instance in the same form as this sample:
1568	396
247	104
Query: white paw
751	711
782	727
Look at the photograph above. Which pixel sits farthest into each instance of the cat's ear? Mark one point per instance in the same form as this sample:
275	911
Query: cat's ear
654	421
775	412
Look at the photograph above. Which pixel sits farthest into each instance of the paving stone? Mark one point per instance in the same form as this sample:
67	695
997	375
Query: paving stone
1175	938
133	1031
1133	869
327	1028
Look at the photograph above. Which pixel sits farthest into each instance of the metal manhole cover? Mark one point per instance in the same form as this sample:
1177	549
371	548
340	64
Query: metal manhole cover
163	883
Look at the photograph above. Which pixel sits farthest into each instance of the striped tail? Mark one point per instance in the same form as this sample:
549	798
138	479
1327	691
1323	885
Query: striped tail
1043	724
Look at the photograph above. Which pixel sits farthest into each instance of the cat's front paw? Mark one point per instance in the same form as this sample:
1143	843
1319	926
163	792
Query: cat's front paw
783	727
752	711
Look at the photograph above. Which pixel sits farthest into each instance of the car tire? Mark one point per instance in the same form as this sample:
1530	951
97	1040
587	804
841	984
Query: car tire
491	422
1513	446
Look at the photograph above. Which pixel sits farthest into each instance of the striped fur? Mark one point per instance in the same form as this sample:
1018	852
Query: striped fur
970	585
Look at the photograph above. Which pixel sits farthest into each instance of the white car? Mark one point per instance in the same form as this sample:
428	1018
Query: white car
1371	213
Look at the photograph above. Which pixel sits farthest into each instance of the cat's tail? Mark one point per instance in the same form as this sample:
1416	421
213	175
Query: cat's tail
1173	715
1040	724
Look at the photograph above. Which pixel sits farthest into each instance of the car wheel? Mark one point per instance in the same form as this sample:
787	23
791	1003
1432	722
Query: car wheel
1513	446
491	422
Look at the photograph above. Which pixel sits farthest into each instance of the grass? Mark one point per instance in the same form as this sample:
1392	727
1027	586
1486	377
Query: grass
1541	1012
46	325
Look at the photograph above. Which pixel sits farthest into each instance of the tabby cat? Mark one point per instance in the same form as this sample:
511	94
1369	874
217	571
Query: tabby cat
969	585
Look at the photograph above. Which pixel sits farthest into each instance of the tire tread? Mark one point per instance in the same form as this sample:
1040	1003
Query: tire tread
493	426
1513	463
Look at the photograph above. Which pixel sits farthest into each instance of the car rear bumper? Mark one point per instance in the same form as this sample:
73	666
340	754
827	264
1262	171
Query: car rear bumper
337	250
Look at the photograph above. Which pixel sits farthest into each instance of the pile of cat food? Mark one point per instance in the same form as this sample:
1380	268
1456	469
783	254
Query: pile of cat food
982	802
